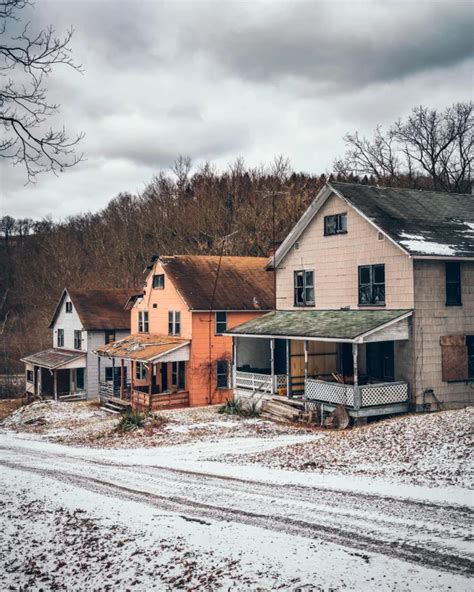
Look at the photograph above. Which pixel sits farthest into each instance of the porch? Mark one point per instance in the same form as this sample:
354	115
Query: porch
158	368
359	359
56	374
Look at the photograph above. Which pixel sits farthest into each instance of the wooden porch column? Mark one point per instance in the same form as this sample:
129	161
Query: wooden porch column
122	378
355	353
98	372
234	361
113	377
150	377
55	382
288	368
305	359
272	364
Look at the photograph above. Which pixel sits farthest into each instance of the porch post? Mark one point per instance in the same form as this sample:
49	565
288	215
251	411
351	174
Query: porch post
150	377
113	377
357	399
305	359
122	378
234	361
288	368
272	364
98	372
55	381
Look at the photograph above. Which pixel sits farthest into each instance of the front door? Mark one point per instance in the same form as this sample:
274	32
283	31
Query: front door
296	367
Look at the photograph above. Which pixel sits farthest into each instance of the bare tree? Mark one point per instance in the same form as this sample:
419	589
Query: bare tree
26	60
429	144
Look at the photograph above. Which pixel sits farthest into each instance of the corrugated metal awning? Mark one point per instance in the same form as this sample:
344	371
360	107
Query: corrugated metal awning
54	358
322	325
144	347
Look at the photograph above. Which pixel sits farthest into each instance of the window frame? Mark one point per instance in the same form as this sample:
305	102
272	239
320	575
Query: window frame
68	307
220	323
107	334
222	373
304	273
174	322
470	356
457	282
143	321
140	371
178	375
30	376
60	338
371	285
340	227
159	278
77	339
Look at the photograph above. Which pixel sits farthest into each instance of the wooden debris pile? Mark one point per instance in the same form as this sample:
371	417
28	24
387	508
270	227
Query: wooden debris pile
283	409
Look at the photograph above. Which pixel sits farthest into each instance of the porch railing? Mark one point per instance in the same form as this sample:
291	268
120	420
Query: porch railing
255	381
367	395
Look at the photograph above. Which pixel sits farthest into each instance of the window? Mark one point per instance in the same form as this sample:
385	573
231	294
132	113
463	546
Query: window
140	371
174	322
336	224
453	284
178	375
29	376
109	336
115	374
68	306
304	288
77	339
372	285
60	337
221	322
222	374
143	321
159	281
457	357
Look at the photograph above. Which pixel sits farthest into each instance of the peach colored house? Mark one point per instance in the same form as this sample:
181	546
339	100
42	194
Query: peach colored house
177	349
374	305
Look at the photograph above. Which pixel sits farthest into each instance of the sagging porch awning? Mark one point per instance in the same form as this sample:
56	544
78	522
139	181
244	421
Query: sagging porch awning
55	358
349	326
145	347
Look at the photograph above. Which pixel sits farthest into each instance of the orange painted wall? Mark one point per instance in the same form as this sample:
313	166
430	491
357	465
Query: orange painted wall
221	347
194	326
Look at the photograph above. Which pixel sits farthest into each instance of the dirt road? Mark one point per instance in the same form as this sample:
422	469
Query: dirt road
415	532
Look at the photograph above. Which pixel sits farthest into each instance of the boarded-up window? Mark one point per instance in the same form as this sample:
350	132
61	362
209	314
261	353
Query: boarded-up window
454	360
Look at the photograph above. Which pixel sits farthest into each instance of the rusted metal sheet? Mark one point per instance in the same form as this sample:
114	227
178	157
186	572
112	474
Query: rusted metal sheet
54	358
142	347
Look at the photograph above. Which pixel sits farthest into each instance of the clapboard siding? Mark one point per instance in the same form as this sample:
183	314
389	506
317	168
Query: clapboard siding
96	338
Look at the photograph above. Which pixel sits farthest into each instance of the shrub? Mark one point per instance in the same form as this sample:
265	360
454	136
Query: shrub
234	407
131	421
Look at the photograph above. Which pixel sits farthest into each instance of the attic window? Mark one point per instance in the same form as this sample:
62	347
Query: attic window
380	236
68	306
297	246
159	281
336	224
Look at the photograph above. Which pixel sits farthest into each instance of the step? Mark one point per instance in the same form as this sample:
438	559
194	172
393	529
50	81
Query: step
110	410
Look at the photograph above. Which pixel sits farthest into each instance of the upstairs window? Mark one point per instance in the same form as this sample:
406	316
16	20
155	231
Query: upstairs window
222	373
68	306
77	339
221	322
453	284
371	285
304	288
174	322
60	337
109	336
143	321
336	224
159	281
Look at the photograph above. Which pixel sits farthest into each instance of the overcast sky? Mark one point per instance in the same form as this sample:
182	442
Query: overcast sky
218	80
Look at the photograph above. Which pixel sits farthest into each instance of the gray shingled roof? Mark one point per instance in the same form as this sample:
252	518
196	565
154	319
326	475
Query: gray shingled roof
54	358
323	324
424	223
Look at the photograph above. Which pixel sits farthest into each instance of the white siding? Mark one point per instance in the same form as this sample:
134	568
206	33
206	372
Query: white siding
70	322
94	340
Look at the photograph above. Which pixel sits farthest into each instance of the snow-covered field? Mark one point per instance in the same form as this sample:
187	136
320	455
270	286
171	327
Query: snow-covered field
185	516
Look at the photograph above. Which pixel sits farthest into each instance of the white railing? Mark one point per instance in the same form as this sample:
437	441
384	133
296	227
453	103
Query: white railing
258	382
367	395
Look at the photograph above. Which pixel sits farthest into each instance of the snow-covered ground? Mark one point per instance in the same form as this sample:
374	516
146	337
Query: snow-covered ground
186	517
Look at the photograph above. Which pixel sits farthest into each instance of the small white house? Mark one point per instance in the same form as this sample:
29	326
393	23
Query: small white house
82	321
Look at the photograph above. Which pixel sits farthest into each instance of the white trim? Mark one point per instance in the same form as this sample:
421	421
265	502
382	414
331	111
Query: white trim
388	324
442	257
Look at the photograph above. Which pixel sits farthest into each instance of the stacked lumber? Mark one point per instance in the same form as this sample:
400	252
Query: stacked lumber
282	409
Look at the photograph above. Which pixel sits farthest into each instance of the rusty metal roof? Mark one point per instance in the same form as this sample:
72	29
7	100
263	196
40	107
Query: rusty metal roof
54	358
141	347
99	309
242	283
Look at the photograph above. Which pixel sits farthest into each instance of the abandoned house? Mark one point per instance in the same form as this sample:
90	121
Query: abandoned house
177	351
374	305
83	320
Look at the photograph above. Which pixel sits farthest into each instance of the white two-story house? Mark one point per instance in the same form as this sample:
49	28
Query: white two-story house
82	321
375	305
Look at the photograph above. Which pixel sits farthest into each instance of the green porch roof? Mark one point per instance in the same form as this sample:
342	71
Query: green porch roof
345	325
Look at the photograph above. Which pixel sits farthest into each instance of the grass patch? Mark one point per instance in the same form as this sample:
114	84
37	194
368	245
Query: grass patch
234	407
135	420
